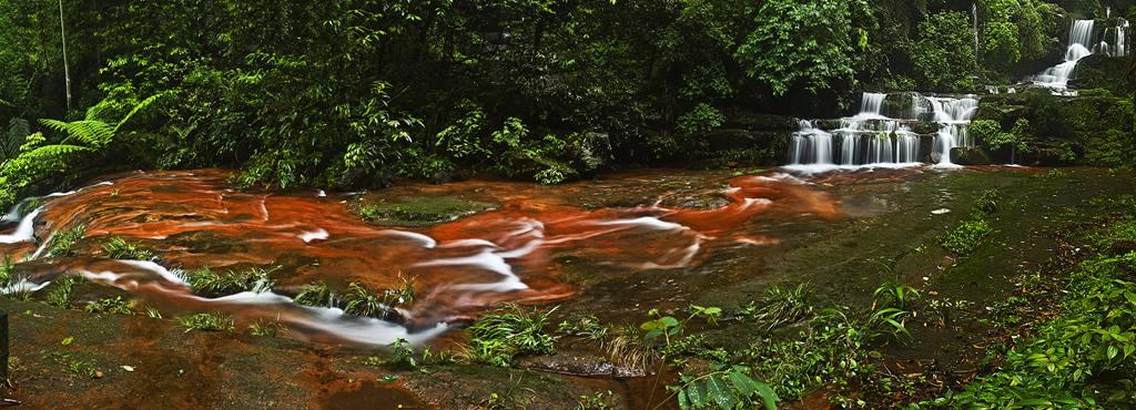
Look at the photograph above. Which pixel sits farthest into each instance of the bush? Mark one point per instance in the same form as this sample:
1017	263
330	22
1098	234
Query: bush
944	55
118	248
208	322
212	284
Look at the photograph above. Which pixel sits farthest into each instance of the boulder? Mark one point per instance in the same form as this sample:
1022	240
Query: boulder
970	156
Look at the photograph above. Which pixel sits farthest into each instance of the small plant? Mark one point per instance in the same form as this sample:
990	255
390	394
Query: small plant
965	238
208	283
265	329
584	326
987	202
116	305
208	322
668	326
73	364
118	248
724	388
317	294
402	355
627	349
499	336
895	295
63	243
891	308
598	401
6	269
359	301
60	293
780	306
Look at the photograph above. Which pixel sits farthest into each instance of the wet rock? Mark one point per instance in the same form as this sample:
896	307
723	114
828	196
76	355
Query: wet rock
577	364
417	210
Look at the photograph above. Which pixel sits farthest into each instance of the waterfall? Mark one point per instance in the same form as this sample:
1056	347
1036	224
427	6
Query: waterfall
871	138
1119	40
953	116
1080	41
810	145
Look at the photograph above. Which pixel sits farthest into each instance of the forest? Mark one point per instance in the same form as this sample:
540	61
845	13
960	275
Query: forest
584	204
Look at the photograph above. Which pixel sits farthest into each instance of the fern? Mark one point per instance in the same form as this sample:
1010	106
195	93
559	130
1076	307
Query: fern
18	132
94	133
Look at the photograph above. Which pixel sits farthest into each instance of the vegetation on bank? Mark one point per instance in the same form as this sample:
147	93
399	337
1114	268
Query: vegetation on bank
364	91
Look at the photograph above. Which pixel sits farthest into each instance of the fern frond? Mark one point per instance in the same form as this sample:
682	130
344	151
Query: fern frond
90	132
53	152
137	108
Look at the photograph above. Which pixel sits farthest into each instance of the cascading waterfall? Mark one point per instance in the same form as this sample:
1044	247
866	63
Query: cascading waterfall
1115	42
954	116
871	138
1080	41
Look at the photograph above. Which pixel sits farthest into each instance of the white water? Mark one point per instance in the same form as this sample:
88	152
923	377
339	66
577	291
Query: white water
1115	42
1080	43
25	231
954	116
871	139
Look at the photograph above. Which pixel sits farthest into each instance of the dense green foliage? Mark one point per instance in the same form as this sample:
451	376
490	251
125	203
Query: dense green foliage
358	92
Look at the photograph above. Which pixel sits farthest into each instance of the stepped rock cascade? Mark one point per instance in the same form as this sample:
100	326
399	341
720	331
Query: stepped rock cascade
871	138
954	116
1080	46
195	219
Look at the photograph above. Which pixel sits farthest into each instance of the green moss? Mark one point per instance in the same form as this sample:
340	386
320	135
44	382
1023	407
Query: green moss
420	210
966	237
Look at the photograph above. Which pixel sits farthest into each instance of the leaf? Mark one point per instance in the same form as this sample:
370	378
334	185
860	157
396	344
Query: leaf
67	341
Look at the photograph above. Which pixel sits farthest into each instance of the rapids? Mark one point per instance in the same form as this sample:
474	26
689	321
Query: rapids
194	219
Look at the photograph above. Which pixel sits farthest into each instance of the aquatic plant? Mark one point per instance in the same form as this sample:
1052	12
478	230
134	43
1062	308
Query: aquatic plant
509	331
987	202
359	301
402	355
208	283
965	238
316	294
208	322
117	247
116	305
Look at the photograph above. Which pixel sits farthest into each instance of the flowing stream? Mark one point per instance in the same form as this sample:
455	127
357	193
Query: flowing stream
193	219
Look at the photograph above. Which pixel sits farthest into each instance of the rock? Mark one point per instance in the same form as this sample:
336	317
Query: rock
583	365
970	156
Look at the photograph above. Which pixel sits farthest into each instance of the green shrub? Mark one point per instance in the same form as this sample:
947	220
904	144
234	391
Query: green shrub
60	291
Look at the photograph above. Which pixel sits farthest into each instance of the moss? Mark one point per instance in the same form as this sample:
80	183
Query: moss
419	210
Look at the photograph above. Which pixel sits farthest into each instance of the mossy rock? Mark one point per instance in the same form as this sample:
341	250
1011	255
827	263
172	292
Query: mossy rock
970	156
418	210
1100	71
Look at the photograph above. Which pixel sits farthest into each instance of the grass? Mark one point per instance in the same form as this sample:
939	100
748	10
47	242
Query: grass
317	294
422	210
117	247
496	338
265	329
206	322
63	243
116	305
209	283
360	301
780	306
